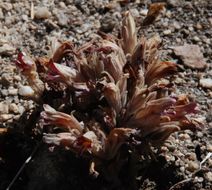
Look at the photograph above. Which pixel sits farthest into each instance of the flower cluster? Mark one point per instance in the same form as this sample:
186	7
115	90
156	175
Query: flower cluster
115	91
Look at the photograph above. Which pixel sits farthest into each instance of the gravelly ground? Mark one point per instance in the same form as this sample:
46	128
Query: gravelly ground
182	22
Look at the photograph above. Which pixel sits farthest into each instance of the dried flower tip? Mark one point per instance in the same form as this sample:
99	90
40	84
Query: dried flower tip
61	73
64	139
25	62
129	34
116	138
92	170
112	94
89	142
29	70
160	134
52	117
153	12
159	70
59	52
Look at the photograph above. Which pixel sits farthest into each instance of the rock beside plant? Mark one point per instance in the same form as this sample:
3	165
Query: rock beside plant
191	56
206	83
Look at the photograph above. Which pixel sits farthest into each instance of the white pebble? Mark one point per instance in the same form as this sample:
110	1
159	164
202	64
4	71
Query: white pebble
208	176
7	50
206	83
209	147
13	108
42	13
26	91
144	12
5	117
12	91
167	32
17	78
4	108
184	136
196	39
21	109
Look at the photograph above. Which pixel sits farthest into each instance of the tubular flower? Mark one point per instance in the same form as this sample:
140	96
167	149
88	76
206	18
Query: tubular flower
129	34
52	117
29	70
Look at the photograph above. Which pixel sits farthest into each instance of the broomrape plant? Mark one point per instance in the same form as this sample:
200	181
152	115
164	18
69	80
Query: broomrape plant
113	94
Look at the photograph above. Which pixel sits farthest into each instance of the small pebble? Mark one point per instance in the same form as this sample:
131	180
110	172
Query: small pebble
85	27
16	99
6	79
4	92
107	24
206	83
171	147
13	108
6	6
178	40
182	169
62	19
210	162
208	176
199	134
29	105
190	28
42	13
184	136
17	78
192	166
16	117
198	179
1	14
21	109
26	91
164	149
62	5
176	25
191	156
4	108
165	24
179	80
7	50
198	26
209	147
207	40
25	17
143	12
167	32
173	3
210	21
13	91
134	12
168	14
170	158
5	117
196	39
